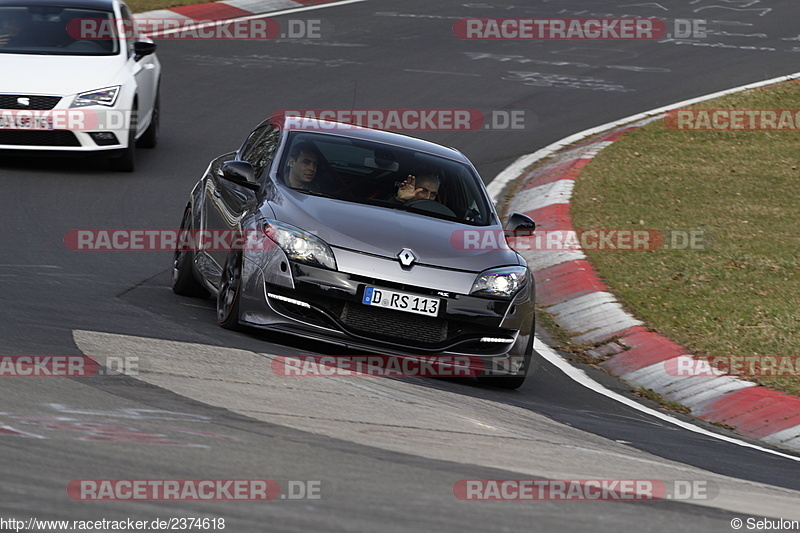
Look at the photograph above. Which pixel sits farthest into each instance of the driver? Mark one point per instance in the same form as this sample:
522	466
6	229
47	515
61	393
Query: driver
303	162
11	28
422	186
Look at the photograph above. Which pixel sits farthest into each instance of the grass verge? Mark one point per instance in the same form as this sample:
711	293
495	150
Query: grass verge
741	295
652	395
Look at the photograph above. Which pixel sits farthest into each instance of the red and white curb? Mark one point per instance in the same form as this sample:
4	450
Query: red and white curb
569	289
235	9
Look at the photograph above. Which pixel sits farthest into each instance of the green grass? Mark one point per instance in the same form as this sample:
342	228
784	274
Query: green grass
742	296
652	395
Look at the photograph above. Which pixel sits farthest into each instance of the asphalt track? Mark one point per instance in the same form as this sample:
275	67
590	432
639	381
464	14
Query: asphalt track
387	452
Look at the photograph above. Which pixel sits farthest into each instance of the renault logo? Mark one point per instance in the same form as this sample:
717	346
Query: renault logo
406	257
24	100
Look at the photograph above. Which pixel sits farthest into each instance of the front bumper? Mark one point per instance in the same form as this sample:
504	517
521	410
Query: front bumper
50	125
326	305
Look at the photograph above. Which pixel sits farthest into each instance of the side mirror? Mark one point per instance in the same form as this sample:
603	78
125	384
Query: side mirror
519	222
521	227
143	48
240	173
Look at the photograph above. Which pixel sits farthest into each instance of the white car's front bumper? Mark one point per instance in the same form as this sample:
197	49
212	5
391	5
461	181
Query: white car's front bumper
60	128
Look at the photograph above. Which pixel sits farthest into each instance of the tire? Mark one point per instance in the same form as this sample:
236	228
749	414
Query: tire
183	280
126	161
149	138
503	382
229	294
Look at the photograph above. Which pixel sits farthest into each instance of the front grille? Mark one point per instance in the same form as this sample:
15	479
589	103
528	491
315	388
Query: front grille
346	313
39	138
10	101
397	324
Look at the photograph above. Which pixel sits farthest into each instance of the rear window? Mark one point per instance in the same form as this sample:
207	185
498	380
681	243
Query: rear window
57	30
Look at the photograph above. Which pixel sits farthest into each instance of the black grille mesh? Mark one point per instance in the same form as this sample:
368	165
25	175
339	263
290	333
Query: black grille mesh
9	101
390	323
38	138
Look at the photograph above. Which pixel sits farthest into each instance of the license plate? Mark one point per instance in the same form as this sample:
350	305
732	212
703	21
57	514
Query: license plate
11	121
401	301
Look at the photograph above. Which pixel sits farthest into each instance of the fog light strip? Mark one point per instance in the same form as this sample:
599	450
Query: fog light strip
496	339
288	300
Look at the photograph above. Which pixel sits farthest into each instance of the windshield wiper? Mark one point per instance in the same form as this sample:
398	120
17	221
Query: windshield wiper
313	193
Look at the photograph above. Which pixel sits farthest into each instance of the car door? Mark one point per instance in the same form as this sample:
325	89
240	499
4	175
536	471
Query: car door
225	202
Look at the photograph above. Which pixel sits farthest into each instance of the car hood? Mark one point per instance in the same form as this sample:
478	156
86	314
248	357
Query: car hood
385	232
57	75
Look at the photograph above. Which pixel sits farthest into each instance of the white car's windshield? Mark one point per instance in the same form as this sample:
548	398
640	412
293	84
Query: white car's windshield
389	176
57	30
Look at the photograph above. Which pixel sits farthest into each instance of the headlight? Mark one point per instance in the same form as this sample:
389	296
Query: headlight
299	245
502	282
106	97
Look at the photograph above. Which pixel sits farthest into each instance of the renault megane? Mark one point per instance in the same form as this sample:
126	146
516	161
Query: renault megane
363	238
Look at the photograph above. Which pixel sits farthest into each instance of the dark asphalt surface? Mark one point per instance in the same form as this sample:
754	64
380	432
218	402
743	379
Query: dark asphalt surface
379	55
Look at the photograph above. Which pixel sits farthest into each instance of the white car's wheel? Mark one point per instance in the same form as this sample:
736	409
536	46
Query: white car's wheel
149	138
126	161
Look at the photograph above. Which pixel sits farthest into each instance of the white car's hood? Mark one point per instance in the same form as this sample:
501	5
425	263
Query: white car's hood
57	75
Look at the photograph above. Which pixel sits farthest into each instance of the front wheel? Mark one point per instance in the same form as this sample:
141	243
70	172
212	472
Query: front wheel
126	161
513	382
503	382
149	138
229	294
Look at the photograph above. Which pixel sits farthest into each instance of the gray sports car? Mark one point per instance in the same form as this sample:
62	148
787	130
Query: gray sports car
372	240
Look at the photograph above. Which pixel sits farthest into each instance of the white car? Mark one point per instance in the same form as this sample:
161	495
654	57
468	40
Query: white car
76	77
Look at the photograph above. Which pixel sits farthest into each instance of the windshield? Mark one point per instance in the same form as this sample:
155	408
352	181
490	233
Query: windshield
56	30
389	176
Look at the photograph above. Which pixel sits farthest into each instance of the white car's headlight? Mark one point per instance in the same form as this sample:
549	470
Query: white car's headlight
299	245
503	282
106	96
